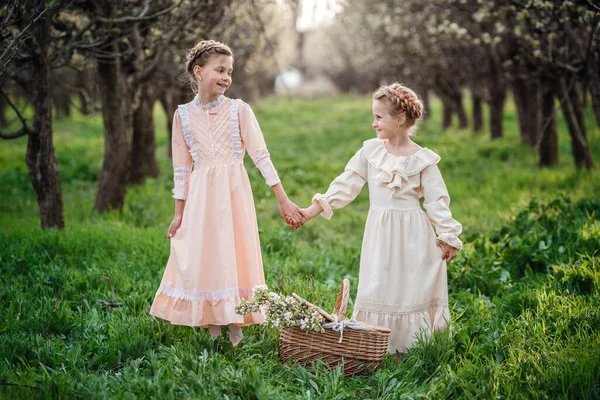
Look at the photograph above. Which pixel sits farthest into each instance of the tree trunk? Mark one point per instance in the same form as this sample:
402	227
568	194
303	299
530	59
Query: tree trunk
521	98
497	99
533	109
118	127
3	105
548	142
526	95
584	96
87	91
447	117
41	160
62	104
168	104
452	100
572	110
594	86
463	121
143	153
496	113
477	113
170	100
426	102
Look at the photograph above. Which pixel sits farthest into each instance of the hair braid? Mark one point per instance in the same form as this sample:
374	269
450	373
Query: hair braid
401	100
200	54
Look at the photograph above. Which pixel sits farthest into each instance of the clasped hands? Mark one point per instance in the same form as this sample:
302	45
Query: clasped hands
295	216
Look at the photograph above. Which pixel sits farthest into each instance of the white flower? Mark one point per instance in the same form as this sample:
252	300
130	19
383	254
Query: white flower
281	312
274	296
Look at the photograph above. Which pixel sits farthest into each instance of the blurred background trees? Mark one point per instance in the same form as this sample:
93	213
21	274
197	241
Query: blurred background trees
122	57
543	52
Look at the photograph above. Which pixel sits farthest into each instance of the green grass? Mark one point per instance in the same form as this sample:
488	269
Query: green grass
524	292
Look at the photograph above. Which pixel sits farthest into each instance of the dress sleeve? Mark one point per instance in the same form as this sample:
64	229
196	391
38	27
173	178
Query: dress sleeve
182	160
345	187
437	206
255	144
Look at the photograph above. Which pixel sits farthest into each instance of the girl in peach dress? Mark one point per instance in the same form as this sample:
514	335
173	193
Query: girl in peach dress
402	279
215	256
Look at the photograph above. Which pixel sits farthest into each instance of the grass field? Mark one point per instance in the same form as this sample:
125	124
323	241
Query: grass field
524	292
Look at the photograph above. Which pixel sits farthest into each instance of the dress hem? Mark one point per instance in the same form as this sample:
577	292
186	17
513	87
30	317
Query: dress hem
201	313
407	327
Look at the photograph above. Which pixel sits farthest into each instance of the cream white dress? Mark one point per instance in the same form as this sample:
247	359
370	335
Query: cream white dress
402	280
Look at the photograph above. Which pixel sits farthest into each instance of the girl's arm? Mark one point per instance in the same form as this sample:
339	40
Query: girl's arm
182	168
437	205
290	212
257	149
179	205
342	190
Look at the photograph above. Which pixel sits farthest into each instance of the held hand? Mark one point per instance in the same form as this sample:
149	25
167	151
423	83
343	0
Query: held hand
312	211
448	252
292	215
174	226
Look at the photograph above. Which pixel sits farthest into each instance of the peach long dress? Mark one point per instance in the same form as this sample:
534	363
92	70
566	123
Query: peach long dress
215	255
402	280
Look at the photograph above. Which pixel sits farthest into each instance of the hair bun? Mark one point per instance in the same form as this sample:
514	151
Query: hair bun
405	100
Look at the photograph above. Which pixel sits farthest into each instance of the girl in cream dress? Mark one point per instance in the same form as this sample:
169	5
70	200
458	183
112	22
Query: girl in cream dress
215	256
402	280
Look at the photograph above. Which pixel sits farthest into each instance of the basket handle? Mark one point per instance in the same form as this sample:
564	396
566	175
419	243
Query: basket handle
341	303
324	313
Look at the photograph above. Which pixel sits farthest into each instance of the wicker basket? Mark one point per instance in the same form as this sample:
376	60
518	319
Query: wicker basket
361	351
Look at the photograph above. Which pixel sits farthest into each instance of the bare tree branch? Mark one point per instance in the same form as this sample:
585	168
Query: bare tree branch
21	132
593	5
6	55
145	9
14	135
161	46
141	16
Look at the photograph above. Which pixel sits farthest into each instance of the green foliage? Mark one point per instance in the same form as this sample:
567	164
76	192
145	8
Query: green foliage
524	292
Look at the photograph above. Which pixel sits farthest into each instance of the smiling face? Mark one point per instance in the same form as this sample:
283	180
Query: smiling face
214	77
385	125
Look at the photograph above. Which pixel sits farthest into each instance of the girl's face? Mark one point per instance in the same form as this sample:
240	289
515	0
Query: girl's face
385	125
214	77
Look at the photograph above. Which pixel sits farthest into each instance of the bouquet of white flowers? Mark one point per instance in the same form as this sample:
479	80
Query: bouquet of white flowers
281	312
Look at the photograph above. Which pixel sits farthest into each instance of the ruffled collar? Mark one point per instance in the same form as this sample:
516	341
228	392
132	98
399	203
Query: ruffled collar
394	169
209	106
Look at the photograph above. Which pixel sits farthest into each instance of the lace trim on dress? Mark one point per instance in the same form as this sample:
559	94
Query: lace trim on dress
236	139
450	239
187	131
181	179
208	106
196	295
327	211
394	309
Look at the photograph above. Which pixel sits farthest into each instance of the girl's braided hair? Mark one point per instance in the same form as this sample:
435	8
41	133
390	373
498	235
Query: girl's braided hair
200	54
401	100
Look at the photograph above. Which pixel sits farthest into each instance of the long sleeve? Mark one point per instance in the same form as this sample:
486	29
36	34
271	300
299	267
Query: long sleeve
255	144
345	187
437	206
182	160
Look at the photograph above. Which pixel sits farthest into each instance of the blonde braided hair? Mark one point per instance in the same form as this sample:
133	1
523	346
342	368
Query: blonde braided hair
401	100
200	54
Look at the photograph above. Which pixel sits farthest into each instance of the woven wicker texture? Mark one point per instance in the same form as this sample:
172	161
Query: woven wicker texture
360	352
